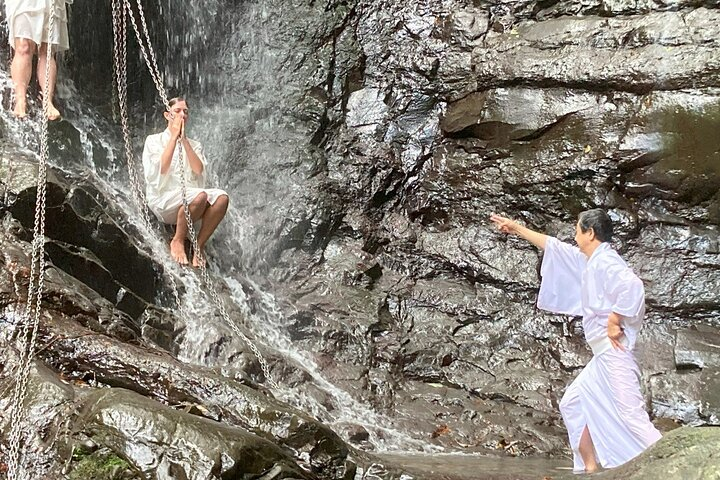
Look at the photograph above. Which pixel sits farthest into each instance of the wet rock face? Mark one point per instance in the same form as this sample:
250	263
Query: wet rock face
443	112
419	120
89	241
180	445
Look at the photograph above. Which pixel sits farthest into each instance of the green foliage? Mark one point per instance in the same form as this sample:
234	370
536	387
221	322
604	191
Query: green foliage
102	464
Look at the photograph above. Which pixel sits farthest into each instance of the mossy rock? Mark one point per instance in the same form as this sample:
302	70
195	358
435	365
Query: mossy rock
684	454
101	464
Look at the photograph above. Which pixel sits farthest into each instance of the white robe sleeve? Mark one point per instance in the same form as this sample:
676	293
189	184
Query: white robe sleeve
625	290
151	163
561	271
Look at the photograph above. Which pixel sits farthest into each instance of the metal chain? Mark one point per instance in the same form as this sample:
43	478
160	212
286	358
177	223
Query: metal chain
150	59
120	12
159	83
151	62
29	331
209	285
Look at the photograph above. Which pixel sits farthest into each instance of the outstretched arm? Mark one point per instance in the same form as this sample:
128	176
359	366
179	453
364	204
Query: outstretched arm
506	225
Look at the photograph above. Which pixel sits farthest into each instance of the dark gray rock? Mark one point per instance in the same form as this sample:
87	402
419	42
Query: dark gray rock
166	444
698	348
89	240
50	405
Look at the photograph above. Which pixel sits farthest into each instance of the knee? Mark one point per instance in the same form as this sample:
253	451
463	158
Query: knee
201	199
43	50
223	201
24	47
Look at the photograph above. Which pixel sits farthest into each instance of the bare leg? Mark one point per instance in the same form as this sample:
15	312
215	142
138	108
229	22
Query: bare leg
177	245
53	113
210	220
587	451
21	71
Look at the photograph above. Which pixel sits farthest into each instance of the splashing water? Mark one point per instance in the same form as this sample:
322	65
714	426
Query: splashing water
238	92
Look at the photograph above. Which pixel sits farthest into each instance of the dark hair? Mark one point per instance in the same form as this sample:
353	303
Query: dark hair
175	100
599	221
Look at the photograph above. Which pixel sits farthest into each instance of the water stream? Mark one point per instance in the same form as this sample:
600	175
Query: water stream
236	90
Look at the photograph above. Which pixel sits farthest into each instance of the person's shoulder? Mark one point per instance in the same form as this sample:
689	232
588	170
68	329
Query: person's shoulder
614	264
154	139
154	136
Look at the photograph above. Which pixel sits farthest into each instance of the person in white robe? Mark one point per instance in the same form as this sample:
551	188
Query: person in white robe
29	33
603	408
165	173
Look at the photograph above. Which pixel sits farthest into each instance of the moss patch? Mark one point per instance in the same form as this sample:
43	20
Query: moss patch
101	464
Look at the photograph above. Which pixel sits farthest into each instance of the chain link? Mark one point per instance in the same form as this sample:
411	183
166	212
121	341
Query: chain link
28	332
151	62
120	13
149	54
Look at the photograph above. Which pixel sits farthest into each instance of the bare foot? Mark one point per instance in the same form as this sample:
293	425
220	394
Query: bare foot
20	110
177	250
591	469
53	113
199	260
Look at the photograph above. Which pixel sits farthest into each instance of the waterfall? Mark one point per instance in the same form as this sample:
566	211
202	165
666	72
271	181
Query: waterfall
233	64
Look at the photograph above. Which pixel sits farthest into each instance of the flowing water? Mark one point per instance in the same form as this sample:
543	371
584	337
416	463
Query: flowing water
238	96
258	152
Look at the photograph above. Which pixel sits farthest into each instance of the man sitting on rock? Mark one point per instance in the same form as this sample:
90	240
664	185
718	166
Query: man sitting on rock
164	179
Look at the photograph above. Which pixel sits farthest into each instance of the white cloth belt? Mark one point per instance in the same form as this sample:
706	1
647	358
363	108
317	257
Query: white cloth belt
603	344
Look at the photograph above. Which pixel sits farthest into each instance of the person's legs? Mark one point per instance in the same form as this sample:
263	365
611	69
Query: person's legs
53	113
21	71
587	451
177	245
211	219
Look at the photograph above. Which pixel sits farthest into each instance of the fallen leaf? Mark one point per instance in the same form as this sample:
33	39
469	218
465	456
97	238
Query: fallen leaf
441	430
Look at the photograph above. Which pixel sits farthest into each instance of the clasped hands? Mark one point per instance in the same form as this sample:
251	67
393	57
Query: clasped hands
177	127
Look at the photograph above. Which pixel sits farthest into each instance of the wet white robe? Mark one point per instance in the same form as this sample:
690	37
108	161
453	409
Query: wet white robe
164	192
606	395
30	19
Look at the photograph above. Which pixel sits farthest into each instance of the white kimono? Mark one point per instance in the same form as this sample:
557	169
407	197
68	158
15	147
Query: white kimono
164	192
31	18
606	395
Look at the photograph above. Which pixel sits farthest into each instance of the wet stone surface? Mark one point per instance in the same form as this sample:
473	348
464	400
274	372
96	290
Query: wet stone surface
408	124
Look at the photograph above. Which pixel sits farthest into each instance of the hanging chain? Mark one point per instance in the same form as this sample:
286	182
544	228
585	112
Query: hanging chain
28	332
209	285
151	62
120	13
149	54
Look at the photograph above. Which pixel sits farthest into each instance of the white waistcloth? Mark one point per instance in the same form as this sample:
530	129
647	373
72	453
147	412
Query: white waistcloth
30	19
601	345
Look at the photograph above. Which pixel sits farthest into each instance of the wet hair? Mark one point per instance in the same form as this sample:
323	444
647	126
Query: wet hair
175	100
599	221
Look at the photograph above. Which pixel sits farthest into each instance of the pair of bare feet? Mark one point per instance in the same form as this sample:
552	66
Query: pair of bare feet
177	250
20	110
